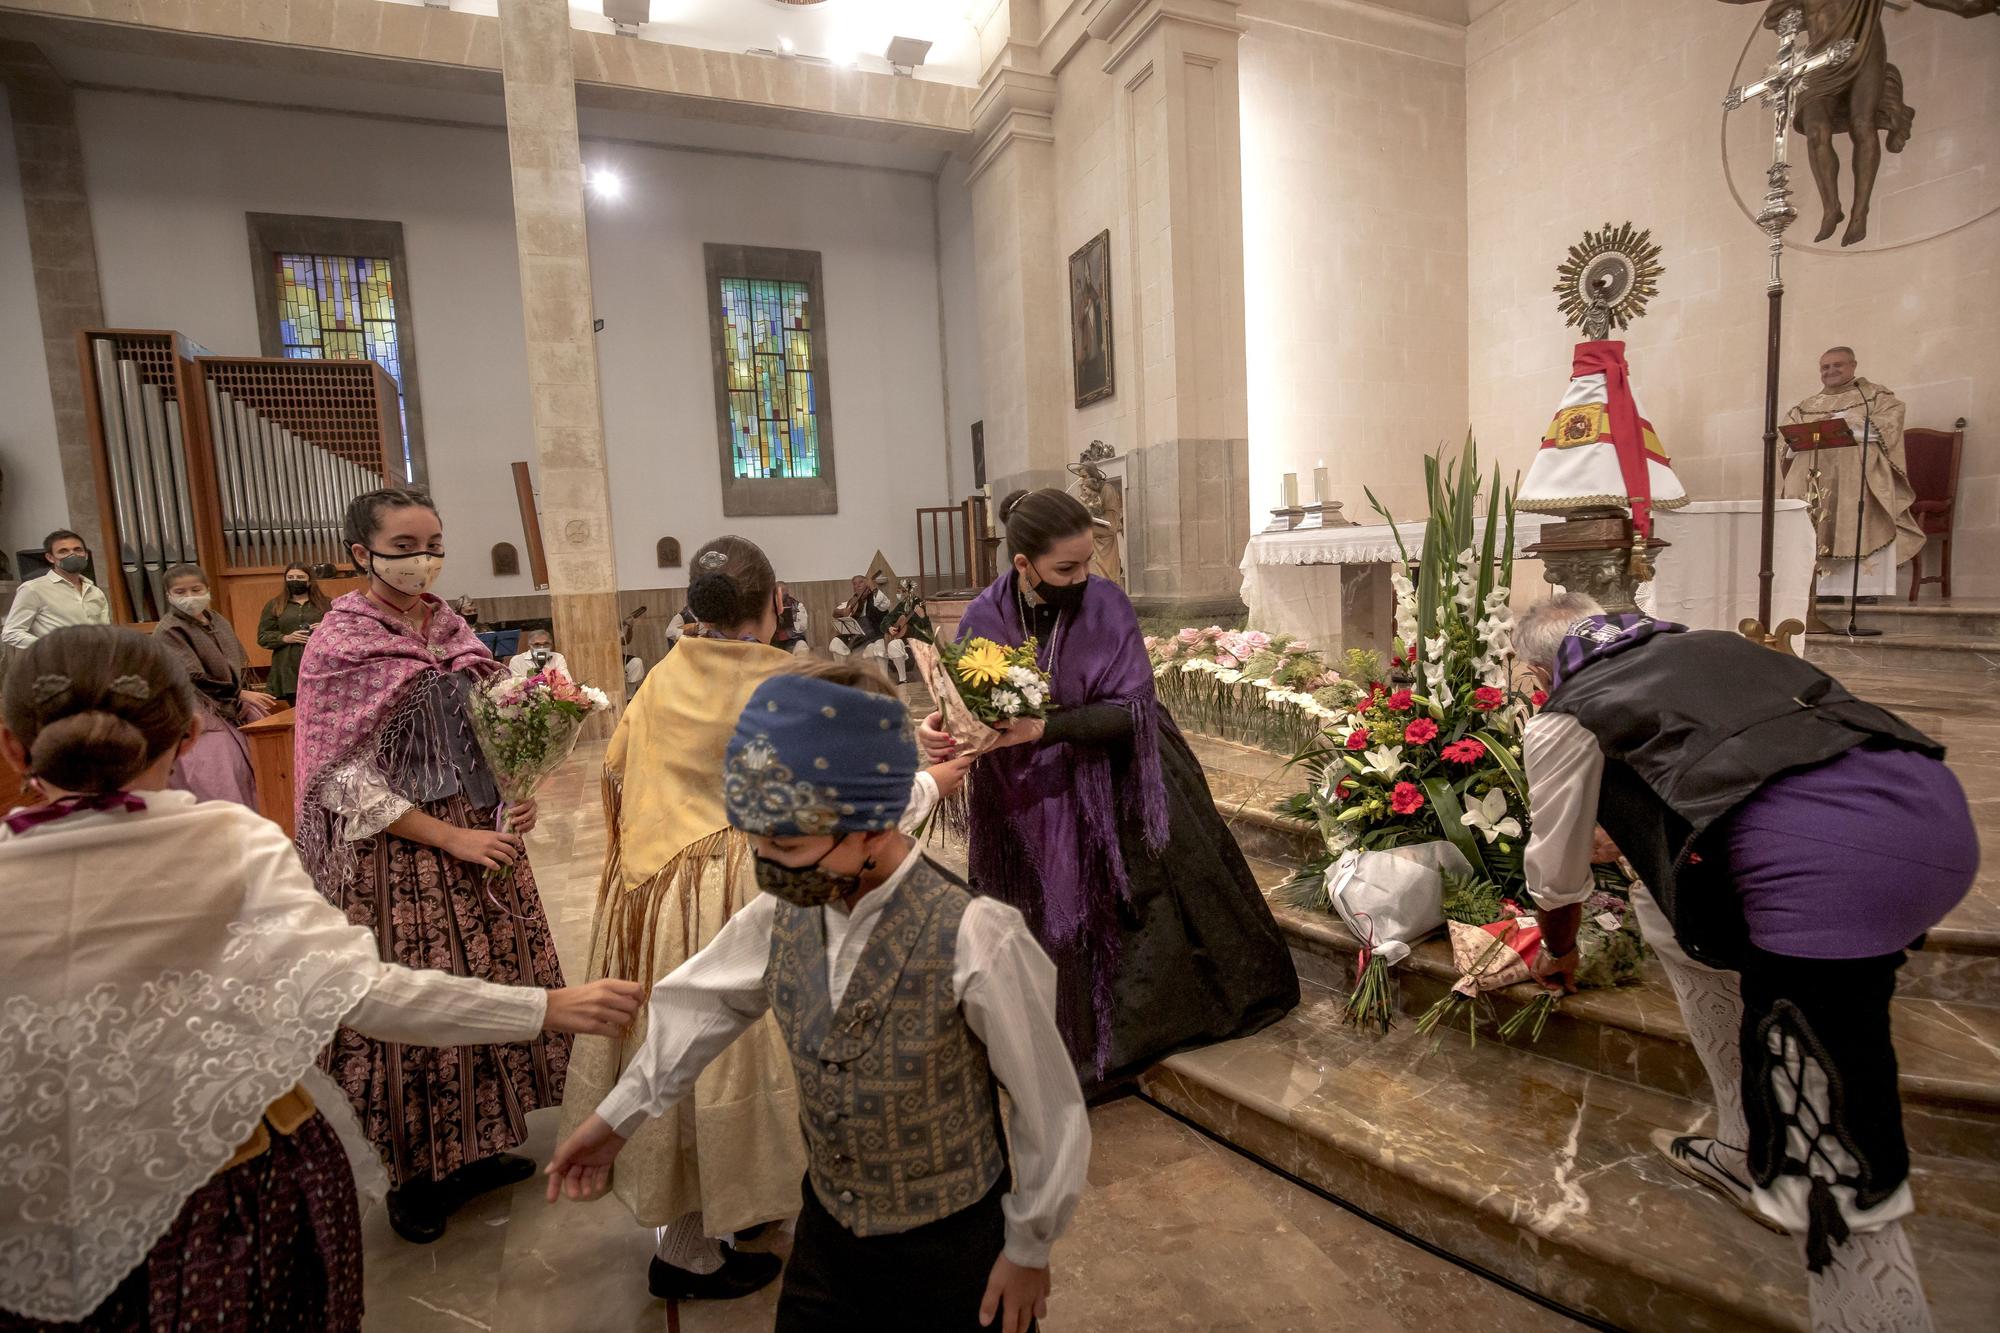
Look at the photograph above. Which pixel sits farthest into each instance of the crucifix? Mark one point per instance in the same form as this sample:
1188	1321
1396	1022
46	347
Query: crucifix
1779	90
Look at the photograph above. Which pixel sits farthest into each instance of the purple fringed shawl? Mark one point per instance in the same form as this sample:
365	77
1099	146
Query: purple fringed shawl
1045	818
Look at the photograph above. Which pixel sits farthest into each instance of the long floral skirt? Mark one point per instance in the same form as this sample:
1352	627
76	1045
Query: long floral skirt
271	1246
430	1110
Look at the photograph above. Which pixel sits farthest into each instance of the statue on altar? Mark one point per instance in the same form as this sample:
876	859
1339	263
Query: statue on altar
1887	526
1104	497
1602	467
1860	97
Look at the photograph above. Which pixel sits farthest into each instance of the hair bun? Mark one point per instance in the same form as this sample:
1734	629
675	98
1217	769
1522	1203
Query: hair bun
92	751
1008	505
713	599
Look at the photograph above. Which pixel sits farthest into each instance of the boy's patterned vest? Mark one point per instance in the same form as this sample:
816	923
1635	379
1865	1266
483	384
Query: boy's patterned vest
895	1095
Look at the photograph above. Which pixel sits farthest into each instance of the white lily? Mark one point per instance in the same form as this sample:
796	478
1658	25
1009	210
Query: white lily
1489	816
1386	760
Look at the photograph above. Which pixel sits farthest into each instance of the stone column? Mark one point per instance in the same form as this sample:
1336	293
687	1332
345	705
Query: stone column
1018	273
1180	145
562	350
63	251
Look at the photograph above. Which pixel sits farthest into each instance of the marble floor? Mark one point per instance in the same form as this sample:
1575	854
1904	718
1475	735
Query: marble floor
1175	1232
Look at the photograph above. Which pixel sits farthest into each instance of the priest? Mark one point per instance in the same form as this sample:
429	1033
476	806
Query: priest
1889	533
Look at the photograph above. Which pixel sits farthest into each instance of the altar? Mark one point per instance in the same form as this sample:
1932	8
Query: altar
1330	586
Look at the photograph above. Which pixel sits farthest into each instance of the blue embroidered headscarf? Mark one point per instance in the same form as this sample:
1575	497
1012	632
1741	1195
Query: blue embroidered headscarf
810	757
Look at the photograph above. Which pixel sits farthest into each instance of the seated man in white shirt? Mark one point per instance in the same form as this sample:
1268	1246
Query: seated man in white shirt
63	596
538	650
904	1001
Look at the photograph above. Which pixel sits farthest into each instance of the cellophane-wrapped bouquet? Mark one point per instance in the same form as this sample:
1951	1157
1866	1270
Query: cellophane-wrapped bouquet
527	727
980	684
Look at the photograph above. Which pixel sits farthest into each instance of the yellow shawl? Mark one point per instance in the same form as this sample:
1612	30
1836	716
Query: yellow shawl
663	811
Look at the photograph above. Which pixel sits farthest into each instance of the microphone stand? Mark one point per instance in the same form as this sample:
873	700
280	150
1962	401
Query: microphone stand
1860	514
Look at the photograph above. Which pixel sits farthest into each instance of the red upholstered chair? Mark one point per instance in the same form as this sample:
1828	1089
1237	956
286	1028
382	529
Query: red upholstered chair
1932	457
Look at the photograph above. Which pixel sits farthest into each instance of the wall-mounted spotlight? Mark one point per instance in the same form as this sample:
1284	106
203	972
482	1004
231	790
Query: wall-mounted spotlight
905	54
604	183
627	15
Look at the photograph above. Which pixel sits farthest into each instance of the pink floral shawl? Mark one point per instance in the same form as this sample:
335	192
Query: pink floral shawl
358	666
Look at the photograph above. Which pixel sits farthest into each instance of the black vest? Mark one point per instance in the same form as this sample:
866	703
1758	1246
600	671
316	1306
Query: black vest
1691	725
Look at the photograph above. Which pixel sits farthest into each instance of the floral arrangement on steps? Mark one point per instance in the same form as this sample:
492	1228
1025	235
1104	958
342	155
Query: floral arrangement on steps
1441	758
1248	686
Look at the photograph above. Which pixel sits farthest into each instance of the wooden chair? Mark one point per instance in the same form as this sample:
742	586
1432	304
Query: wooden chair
1932	457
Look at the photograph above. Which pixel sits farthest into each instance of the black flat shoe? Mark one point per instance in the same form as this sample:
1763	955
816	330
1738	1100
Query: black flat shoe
417	1211
483	1176
741	1273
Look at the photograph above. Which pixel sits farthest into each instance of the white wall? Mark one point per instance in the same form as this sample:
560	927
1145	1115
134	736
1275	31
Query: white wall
961	320
874	229
1354	248
33	501
1583	111
170	181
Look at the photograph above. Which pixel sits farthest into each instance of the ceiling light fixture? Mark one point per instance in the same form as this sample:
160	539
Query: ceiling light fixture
627	15
605	183
905	54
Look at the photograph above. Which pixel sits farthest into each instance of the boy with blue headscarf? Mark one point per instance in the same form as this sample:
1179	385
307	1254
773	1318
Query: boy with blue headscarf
906	1003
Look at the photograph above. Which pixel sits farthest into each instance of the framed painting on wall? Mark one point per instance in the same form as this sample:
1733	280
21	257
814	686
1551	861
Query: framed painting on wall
1090	319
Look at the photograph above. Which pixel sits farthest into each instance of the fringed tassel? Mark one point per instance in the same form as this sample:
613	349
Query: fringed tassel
1825	1227
1145	794
630	918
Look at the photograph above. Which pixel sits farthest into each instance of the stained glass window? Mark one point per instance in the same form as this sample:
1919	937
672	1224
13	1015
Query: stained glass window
341	307
768	364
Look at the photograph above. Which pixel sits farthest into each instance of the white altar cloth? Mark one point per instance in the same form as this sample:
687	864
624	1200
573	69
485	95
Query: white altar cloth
1706	580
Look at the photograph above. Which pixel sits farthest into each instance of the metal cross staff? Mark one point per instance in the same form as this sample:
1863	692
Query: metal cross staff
1779	90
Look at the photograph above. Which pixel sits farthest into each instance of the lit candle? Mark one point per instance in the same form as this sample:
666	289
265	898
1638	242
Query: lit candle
1319	484
1291	490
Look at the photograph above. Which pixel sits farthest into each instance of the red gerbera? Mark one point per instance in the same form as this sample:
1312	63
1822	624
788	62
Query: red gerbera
1538	698
1467	751
1487	698
1406	799
1398	702
1358	739
1421	731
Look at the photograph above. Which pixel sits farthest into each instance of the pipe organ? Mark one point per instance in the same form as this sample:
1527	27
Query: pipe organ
243	465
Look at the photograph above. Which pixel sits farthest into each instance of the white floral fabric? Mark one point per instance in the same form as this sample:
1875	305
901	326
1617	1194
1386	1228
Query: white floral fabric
165	975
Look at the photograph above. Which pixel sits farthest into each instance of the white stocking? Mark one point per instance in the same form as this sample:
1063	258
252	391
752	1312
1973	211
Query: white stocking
684	1244
1712	1006
1870	1287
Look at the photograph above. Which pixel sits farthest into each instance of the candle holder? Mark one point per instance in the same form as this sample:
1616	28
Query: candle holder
1284	519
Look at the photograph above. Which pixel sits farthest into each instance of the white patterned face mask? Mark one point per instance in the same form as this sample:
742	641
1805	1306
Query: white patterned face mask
193	604
411	574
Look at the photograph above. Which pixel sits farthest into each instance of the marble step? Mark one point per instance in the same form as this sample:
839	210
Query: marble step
1948	1047
1948	1054
1963	620
1922	653
1542	1173
1959	964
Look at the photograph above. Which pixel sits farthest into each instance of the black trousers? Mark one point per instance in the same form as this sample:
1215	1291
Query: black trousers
926	1280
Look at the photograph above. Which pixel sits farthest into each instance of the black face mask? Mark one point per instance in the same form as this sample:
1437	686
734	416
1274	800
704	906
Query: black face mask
296	585
1064	597
808	885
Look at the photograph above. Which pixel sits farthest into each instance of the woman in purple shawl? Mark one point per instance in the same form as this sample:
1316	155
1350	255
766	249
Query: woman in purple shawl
1102	830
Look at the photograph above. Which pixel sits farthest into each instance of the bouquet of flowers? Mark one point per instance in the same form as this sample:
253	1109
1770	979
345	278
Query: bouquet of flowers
979	684
1437	754
1495	941
527	727
1246	685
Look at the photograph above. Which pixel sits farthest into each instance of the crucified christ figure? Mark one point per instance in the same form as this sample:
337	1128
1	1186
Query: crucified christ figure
1862	98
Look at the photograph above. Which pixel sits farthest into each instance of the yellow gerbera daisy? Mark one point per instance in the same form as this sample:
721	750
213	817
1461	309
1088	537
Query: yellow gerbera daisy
983	662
